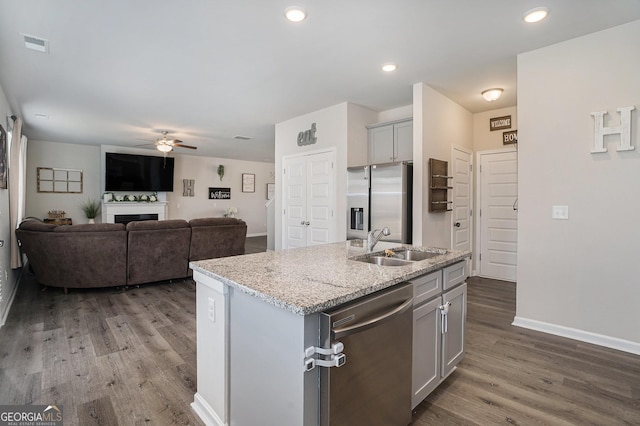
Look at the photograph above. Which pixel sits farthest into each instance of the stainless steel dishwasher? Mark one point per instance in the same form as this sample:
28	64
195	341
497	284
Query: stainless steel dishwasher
373	386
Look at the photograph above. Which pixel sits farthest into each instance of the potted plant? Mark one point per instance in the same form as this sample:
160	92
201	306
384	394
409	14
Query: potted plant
91	209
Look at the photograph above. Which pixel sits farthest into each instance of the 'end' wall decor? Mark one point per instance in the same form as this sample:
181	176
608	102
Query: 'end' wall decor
308	137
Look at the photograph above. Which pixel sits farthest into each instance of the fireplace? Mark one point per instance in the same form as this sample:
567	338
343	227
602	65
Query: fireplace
127	211
126	218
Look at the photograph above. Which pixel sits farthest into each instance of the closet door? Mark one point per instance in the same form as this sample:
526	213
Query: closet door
295	202
309	200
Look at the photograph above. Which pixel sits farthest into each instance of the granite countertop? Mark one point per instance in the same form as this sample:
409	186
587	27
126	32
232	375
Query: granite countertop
314	279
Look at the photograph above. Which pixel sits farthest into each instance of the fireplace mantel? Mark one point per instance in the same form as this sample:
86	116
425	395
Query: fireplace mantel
113	208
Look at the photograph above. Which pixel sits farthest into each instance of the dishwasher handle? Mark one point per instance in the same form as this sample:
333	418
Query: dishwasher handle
339	333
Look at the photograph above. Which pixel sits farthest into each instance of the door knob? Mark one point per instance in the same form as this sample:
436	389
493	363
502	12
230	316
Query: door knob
457	224
307	223
302	223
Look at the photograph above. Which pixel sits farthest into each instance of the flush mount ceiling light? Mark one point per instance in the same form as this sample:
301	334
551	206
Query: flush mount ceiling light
295	13
536	15
389	67
491	95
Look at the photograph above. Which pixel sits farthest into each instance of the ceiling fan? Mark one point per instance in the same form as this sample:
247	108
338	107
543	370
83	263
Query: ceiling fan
166	144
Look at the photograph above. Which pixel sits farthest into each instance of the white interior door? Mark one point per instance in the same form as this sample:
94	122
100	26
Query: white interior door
461	217
294	202
309	200
498	215
320	204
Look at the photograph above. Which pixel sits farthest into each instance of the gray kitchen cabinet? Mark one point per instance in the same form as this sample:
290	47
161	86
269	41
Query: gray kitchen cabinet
390	142
439	317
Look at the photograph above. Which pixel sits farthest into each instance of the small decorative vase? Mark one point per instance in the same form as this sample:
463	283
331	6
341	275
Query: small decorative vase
92	220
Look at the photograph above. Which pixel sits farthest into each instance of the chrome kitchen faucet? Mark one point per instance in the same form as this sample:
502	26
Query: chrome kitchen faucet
372	239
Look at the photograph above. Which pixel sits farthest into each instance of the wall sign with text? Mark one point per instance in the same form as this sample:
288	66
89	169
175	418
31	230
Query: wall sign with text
509	137
308	137
219	193
499	123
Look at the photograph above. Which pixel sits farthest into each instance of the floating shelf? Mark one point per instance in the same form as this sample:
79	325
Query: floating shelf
439	186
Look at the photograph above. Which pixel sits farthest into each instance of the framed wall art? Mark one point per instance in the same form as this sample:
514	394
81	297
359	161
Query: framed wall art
248	182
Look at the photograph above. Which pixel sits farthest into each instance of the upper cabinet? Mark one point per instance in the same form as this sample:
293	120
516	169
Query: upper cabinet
390	142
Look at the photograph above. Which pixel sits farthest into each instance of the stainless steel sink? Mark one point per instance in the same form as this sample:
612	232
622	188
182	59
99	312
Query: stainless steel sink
417	255
399	256
385	261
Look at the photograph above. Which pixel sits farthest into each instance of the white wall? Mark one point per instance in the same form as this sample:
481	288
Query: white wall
438	123
90	159
65	156
337	127
483	138
8	276
579	277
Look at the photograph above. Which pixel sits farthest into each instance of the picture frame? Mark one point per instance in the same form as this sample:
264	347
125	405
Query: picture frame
271	191
248	182
3	159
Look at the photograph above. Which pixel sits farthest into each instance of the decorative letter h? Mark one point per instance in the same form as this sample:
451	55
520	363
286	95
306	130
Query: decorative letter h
624	129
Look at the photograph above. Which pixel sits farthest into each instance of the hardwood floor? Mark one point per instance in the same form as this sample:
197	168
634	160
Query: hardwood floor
511	375
113	357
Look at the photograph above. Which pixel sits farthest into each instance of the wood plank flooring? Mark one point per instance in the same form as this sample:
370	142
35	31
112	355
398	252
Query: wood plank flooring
113	357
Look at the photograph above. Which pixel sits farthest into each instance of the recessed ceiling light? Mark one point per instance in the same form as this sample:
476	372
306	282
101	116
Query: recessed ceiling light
536	15
491	95
295	13
389	67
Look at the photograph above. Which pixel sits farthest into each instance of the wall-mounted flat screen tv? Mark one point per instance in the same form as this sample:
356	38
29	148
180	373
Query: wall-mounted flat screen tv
126	172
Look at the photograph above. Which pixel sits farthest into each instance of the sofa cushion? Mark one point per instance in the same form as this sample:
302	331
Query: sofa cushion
215	221
65	258
145	225
36	225
216	237
90	227
157	250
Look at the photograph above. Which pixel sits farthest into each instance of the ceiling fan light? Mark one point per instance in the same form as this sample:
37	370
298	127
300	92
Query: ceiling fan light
164	148
491	95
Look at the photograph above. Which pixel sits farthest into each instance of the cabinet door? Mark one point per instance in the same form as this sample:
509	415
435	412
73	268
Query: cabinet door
403	141
381	144
426	350
454	328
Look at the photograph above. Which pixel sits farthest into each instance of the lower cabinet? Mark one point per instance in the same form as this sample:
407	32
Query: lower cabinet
438	330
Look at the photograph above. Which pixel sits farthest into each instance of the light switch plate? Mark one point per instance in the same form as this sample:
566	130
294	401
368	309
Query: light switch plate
560	212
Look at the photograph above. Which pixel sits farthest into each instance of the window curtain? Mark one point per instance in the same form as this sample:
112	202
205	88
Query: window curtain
17	182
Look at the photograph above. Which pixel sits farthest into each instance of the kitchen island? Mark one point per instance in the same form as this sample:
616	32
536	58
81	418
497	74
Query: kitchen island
257	314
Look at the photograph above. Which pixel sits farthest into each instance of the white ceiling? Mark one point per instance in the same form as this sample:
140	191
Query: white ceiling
119	71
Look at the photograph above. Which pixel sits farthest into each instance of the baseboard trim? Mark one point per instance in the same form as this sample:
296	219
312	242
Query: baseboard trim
257	234
205	412
12	297
576	334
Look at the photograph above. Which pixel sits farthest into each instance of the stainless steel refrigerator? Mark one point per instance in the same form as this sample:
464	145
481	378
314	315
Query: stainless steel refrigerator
380	195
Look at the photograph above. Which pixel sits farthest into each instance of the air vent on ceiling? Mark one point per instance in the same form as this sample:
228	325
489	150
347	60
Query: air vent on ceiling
36	43
242	138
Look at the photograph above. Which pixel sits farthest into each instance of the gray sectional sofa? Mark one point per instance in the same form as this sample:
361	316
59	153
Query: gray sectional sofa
108	255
